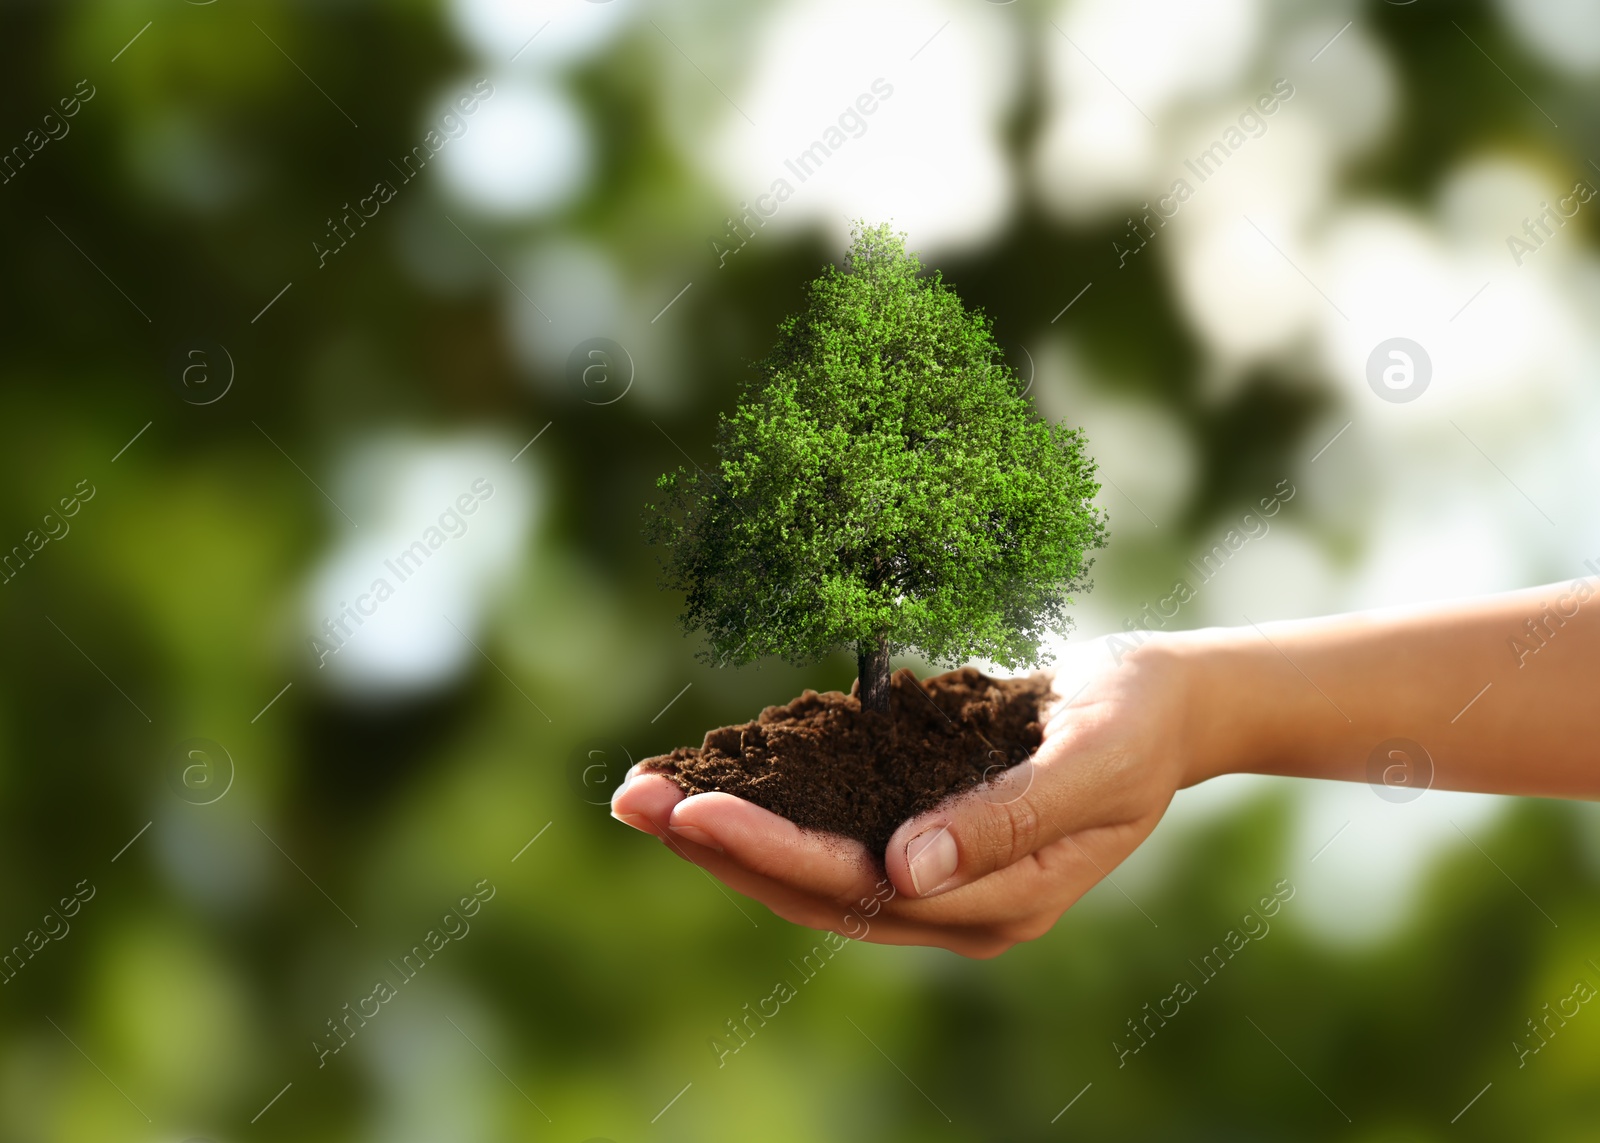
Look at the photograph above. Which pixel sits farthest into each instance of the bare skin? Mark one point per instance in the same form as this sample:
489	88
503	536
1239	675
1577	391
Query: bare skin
1499	705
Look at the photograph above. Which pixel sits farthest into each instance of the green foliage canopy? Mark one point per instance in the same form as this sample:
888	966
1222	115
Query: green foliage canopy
883	482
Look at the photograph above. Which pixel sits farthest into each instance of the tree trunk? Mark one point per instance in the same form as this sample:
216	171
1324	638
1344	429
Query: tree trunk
872	667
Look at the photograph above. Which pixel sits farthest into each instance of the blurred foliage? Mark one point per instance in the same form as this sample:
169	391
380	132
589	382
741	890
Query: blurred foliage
191	987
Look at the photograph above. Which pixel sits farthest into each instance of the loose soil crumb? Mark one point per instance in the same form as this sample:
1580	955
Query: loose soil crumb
825	764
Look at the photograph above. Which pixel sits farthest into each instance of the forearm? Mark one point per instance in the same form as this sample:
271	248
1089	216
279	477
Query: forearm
1502	692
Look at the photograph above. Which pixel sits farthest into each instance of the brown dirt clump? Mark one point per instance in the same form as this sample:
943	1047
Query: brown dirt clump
825	764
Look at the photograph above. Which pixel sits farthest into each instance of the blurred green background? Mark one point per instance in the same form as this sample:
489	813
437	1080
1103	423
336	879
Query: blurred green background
233	901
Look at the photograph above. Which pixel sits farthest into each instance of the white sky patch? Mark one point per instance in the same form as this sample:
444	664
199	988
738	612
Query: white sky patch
1350	90
1563	33
582	293
1465	494
539	32
1138	443
1280	572
1489	196
1242	295
1394	275
927	159
1428	543
526	151
1095	155
1119	73
1356	892
397	490
579	289
1365	885
1158	52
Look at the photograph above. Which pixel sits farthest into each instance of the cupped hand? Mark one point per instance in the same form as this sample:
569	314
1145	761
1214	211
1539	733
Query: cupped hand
986	868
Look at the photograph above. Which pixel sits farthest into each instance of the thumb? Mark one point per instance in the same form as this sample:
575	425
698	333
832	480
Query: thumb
975	833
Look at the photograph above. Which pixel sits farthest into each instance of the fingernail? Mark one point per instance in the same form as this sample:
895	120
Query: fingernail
932	858
637	821
696	835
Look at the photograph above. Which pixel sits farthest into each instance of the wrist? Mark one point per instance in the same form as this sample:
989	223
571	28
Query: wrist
1223	726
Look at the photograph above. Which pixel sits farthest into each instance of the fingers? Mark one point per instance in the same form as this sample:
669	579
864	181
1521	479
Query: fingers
1023	900
965	838
645	802
840	877
807	878
865	918
826	883
1015	871
774	847
752	838
870	920
1064	789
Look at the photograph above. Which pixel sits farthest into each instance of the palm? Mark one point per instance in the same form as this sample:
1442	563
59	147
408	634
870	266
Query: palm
1098	784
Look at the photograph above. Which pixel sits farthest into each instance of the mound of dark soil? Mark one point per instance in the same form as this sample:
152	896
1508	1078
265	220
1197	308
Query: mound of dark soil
825	764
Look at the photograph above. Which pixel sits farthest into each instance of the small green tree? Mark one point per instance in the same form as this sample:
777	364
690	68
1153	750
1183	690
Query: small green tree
883	485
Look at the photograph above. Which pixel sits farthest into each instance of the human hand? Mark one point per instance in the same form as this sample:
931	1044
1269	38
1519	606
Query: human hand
989	867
